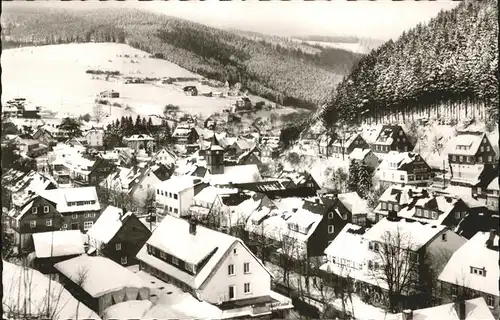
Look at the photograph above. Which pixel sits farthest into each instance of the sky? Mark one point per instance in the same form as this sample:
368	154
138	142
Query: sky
381	19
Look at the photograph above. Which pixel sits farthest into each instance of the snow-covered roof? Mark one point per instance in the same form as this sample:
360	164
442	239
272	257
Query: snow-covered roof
465	143
493	184
108	224
475	309
236	174
442	204
139	137
178	184
354	203
22	285
474	253
399	158
62	198
131	309
210	193
172	236
414	234
349	237
100	275
359	154
58	243
23	185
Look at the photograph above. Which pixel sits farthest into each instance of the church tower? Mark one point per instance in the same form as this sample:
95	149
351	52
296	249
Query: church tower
215	157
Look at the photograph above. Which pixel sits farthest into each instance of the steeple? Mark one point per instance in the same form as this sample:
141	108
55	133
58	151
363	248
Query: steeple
215	157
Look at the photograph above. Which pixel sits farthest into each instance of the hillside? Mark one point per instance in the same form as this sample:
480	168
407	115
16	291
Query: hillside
448	67
348	43
287	76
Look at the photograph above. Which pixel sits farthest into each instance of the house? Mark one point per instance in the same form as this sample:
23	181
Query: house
175	195
185	135
472	271
78	208
349	206
137	182
472	162
212	266
239	147
18	186
403	168
165	157
412	243
423	205
9	112
109	94
249	157
190	91
343	146
138	142
364	157
492	197
99	282
97	172
28	289
269	152
56	246
243	103
44	136
471	309
390	138
118	236
30	111
94	138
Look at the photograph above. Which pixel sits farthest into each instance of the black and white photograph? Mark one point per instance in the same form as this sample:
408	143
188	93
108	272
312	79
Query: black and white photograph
250	160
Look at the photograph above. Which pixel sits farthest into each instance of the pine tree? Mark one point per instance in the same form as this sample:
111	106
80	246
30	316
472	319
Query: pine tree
353	179
365	184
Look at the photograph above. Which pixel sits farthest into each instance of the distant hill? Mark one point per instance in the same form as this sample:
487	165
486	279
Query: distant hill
448	66
349	43
298	76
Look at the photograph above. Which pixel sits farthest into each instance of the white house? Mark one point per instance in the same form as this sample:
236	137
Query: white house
473	271
411	242
176	194
214	267
164	156
94	137
403	168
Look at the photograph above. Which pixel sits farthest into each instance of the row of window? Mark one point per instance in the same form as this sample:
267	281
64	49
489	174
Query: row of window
46	209
426	213
246	290
86	225
478	271
246	269
389	206
470	159
167	194
490	300
375	246
171	209
81	203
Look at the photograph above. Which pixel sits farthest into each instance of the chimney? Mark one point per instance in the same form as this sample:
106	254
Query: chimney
460	309
407	314
491	238
192	226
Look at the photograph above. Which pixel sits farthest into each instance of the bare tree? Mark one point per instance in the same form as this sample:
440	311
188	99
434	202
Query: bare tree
98	112
396	266
81	277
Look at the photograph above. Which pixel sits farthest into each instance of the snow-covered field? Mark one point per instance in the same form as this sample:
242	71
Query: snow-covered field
54	78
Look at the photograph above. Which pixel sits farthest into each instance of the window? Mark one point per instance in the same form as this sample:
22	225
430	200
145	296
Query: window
46	209
170	195
490	159
478	189
411	177
330	229
490	301
157	191
246	267
33	224
87	225
64	226
74	216
370	245
426	213
175	261
175	196
235	251
396	207
384	206
231	292
401	132
176	210
454	290
487	148
230	270
444	237
34	210
375	246
402	177
458	215
118	246
478	271
376	266
330	215
247	288
469	159
163	255
370	265
123	260
461	158
390	206
434	215
48	222
454	158
480	159
481	149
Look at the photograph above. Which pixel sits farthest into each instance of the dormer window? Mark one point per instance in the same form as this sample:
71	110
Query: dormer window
478	271
34	210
